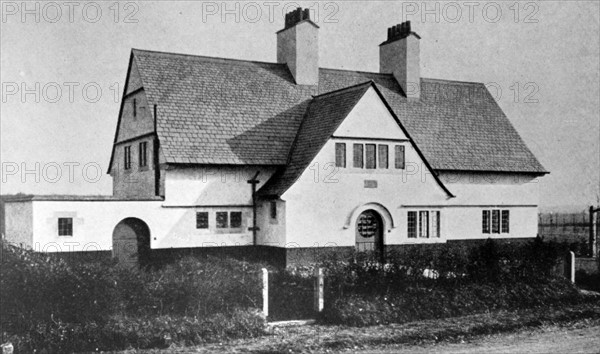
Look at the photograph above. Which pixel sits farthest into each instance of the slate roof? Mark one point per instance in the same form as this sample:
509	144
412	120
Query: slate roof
224	111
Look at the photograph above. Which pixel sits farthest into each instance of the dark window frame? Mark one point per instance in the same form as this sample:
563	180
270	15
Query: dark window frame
238	219
383	156
134	102
222	219
127	157
411	224
202	220
505	221
143	154
486	222
273	210
370	156
358	155
340	155
424	221
65	226
495	221
399	157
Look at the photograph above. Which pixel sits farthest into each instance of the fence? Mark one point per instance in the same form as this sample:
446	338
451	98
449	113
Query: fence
570	228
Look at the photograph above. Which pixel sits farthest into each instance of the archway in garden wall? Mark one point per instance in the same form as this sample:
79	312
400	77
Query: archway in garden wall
131	242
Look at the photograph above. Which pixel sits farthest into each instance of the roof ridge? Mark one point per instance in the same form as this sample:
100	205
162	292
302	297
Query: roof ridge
338	91
195	56
452	81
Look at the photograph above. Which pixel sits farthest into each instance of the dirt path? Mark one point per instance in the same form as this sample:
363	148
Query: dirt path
547	340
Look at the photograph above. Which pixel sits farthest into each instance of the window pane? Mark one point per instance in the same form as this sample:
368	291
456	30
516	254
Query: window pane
134	108
340	155
424	224
383	156
65	226
505	221
495	221
435	224
485	222
358	156
202	220
371	156
143	159
127	157
222	219
273	210
412	224
236	219
399	156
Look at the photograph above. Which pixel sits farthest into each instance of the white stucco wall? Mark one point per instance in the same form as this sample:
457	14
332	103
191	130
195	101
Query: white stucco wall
212	185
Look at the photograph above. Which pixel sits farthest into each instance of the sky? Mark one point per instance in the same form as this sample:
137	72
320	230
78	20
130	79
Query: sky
63	67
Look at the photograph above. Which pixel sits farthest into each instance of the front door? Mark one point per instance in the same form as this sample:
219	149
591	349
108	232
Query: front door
369	233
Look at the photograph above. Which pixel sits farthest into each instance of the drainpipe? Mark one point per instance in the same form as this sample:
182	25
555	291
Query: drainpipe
155	148
254	181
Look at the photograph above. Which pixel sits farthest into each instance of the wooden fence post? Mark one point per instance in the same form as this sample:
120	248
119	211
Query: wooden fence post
265	291
319	289
571	266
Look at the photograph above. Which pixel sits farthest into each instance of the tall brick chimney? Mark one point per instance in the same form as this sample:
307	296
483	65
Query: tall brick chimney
298	47
399	55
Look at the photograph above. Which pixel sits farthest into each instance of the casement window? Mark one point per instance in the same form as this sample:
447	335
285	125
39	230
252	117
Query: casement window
65	226
273	210
412	224
504	227
435	223
485	221
222	220
399	156
127	157
134	103
358	156
235	218
383	156
340	155
143	154
202	220
424	224
371	152
495	221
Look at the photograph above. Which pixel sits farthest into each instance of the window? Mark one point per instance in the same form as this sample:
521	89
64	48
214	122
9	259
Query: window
273	210
399	156
202	220
435	224
65	226
371	156
222	220
485	223
424	224
427	225
236	219
134	108
358	156
505	222
412	224
383	156
495	221
340	155
127	157
143	156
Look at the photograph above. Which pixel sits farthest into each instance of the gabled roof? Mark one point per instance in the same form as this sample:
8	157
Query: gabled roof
324	115
222	111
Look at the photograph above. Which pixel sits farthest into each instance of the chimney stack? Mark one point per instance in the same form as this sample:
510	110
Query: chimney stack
298	47
400	55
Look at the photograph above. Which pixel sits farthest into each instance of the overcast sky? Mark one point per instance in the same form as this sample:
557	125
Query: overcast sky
540	59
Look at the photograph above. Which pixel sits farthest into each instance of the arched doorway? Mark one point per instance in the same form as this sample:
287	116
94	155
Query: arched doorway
369	233
131	242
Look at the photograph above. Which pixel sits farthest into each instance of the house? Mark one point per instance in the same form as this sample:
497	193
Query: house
286	159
